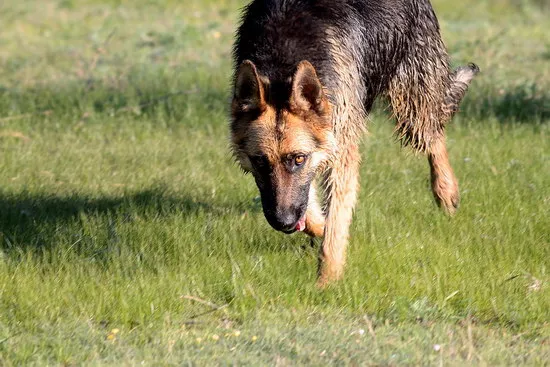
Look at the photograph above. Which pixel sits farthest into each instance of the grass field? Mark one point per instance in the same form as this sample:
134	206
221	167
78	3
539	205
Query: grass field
128	235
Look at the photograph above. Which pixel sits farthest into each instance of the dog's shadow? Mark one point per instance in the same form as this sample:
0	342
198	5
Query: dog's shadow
526	104
31	221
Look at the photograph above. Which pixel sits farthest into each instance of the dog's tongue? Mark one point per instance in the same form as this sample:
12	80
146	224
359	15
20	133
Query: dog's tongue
301	225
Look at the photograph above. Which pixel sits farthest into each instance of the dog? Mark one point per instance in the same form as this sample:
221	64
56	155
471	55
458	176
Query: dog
307	73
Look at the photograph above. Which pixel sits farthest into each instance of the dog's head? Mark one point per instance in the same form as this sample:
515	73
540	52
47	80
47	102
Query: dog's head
282	143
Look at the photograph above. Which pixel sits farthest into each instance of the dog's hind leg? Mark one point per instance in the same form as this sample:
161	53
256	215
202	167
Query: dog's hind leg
424	96
444	183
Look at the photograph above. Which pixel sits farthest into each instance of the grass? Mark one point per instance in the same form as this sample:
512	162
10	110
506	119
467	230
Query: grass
119	203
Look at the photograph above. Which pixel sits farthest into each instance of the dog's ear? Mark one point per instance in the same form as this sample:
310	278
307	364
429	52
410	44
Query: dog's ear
307	91
249	94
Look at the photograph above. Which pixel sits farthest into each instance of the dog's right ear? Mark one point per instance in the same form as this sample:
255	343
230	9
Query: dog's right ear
249	92
307	91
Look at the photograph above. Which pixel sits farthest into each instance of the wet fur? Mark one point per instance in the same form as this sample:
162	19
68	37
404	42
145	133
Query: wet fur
359	50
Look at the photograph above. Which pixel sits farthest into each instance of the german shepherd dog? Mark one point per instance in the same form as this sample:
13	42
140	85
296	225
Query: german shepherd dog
307	73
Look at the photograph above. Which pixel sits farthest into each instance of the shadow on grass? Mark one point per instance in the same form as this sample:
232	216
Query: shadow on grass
525	103
153	94
31	221
145	95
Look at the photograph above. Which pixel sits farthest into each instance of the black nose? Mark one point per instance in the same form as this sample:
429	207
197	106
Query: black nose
287	219
283	217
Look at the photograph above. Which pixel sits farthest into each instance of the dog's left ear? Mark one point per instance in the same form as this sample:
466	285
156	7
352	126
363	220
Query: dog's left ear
307	91
249	94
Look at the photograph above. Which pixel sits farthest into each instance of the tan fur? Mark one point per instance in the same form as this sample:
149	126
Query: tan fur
315	218
343	184
444	182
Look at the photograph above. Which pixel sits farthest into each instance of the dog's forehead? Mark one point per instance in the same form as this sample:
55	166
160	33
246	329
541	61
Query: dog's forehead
295	134
278	133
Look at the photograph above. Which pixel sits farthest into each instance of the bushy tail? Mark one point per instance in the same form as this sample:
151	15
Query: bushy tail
461	78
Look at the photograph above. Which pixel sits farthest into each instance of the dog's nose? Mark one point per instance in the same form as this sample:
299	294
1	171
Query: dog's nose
287	221
288	218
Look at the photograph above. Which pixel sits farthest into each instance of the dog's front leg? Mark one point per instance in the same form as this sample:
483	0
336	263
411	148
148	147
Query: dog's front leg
342	183
315	218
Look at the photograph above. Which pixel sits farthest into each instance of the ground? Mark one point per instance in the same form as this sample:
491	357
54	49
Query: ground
128	235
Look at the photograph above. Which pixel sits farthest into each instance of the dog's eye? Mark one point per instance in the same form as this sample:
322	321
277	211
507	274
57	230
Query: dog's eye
299	159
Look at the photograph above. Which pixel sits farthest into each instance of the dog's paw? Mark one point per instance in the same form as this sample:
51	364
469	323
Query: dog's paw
446	194
329	274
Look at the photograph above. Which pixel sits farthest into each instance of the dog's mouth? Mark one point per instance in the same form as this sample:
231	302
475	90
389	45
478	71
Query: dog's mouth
299	227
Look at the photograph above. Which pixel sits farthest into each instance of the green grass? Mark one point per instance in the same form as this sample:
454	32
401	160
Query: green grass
118	200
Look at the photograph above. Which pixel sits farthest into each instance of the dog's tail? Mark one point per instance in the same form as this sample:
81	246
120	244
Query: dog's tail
460	80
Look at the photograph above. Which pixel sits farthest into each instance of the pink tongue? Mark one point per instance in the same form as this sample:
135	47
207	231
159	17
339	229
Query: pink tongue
301	225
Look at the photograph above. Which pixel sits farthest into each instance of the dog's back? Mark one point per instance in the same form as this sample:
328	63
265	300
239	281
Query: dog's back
365	40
